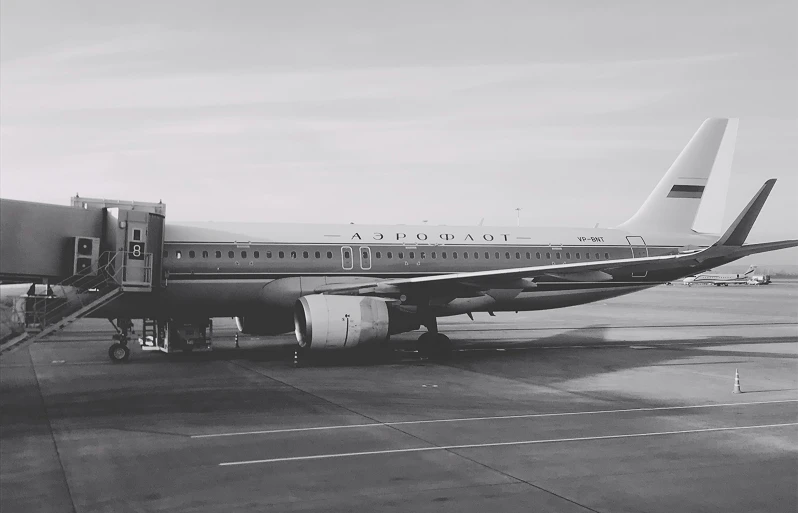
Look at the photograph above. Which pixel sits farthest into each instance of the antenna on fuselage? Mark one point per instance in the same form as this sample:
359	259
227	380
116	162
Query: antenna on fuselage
481	221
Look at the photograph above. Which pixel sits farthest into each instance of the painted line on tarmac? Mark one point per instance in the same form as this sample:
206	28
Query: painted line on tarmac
472	419
500	444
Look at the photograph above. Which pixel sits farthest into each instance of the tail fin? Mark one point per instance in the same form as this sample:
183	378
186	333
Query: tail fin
750	270
685	199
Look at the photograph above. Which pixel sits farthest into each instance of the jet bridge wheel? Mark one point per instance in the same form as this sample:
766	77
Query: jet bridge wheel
119	353
434	346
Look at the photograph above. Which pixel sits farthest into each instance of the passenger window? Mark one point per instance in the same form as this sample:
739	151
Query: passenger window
390	255
476	255
497	255
317	254
329	254
507	255
548	256
578	256
178	254
230	254
401	254
454	254
607	256
434	255
587	256
559	256
293	254
268	254
243	254
412	255
465	255
443	254
257	254
487	256
518	255
378	254
204	254
218	254
423	255
528	255
192	254
305	254
537	255
568	255
598	257
281	254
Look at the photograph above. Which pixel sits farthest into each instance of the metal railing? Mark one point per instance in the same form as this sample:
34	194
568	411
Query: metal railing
80	290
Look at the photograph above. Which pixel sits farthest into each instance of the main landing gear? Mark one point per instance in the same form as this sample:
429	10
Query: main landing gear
119	351
432	344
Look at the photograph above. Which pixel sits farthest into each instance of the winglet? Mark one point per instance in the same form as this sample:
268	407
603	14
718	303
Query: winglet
741	227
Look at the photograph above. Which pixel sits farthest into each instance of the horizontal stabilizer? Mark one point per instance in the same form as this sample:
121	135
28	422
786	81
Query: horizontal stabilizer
741	227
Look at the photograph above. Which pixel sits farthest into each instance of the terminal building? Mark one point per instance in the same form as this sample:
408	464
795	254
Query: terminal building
90	257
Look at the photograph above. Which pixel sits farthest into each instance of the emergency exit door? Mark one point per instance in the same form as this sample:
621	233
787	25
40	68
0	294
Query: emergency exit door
365	258
346	258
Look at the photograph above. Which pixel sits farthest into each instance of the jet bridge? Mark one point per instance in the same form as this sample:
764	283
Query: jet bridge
89	254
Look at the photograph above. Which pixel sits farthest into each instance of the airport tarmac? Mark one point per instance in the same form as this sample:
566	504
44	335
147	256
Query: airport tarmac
623	405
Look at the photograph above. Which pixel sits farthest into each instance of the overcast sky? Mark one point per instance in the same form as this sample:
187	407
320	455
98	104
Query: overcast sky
394	112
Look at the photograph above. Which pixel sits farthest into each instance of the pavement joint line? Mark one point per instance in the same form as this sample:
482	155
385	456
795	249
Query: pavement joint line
502	444
472	419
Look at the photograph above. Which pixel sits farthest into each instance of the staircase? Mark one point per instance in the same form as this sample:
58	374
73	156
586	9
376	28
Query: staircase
80	295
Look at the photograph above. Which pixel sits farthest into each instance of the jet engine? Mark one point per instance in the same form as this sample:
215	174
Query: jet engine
274	322
340	322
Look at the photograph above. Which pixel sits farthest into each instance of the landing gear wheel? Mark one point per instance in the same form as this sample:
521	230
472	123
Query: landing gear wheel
119	353
434	346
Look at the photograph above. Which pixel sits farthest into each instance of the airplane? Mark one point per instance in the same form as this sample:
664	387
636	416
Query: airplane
346	287
721	279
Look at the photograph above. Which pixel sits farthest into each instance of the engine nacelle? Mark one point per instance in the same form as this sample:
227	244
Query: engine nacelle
274	322
340	322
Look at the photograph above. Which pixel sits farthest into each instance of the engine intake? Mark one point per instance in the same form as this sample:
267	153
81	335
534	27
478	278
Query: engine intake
340	322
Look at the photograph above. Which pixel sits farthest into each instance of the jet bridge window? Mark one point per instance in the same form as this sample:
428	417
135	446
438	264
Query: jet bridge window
231	254
218	254
192	254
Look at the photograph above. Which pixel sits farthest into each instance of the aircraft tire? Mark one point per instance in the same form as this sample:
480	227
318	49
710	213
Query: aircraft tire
119	353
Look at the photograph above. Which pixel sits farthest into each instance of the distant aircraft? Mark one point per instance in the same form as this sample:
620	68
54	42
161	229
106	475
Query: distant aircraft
710	278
